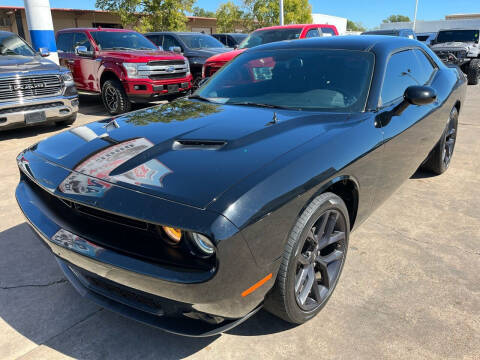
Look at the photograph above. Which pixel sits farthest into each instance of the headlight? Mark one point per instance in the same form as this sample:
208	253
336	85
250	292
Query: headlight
133	71
67	76
203	244
188	67
174	234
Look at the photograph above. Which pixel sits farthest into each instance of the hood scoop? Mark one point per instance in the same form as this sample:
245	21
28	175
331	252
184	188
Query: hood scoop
198	144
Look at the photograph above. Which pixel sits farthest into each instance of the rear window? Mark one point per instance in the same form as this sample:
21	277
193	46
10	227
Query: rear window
261	37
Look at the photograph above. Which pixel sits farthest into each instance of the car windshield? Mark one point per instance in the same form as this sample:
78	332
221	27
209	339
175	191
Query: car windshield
11	44
200	41
239	37
260	37
326	80
457	35
122	40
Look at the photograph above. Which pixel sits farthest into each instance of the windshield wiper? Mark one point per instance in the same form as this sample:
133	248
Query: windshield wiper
270	106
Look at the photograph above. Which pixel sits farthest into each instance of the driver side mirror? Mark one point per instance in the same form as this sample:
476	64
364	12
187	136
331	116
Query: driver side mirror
235	47
43	52
83	51
175	49
202	81
416	95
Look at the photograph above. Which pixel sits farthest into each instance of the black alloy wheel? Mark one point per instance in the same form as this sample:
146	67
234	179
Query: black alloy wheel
439	159
312	261
320	260
114	97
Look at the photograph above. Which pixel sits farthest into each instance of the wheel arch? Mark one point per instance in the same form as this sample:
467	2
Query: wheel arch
108	75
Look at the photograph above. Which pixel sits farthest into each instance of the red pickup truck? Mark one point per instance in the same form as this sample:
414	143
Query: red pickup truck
123	66
268	35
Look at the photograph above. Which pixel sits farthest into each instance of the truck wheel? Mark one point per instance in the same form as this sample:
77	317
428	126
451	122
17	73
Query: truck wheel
473	72
440	157
114	97
312	260
68	121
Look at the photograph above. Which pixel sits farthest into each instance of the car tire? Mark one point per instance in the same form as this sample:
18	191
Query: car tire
473	73
115	98
440	157
313	256
68	121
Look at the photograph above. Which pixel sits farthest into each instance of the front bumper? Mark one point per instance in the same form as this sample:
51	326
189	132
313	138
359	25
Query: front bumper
144	90
56	108
197	297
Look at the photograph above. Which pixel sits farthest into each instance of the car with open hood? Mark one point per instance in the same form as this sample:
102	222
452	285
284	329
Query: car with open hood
193	215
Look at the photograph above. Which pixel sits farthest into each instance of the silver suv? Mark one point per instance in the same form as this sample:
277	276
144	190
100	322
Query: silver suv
33	90
460	47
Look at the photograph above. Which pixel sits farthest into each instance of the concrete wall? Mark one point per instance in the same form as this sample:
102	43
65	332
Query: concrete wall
434	26
339	22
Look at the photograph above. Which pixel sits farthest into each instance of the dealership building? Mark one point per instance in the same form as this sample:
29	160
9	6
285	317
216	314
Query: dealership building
455	21
13	19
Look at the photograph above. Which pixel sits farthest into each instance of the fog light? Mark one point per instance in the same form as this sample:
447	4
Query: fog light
174	234
203	244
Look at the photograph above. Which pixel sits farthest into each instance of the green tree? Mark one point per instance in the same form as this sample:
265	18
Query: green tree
198	11
353	26
267	12
150	15
396	18
229	17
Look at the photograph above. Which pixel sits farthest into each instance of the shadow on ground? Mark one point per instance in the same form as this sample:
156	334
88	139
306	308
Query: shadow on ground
38	303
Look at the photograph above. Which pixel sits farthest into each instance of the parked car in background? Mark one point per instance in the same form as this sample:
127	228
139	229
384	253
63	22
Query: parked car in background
460	47
408	33
265	36
232	40
33	90
123	66
426	38
195	46
193	215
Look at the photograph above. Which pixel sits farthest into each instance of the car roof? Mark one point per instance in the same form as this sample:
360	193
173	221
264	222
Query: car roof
292	26
458	29
360	43
174	32
230	34
96	29
386	31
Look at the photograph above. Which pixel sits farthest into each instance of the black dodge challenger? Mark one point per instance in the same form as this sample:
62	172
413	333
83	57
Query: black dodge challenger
191	216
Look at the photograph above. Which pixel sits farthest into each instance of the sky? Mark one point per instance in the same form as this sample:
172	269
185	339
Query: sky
369	12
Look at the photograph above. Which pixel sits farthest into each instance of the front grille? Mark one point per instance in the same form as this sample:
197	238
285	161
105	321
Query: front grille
30	107
166	62
168	76
445	54
29	86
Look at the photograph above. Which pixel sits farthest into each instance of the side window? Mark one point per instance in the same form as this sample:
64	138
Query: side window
426	68
328	31
169	41
156	39
65	42
81	39
230	42
312	33
399	75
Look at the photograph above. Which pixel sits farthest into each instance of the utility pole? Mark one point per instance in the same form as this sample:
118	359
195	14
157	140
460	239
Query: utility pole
281	12
415	16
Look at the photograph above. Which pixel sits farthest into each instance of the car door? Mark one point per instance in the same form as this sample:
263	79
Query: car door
85	67
409	136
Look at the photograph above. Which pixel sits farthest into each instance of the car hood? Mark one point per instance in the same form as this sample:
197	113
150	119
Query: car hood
186	151
454	46
15	64
225	57
206	53
139	55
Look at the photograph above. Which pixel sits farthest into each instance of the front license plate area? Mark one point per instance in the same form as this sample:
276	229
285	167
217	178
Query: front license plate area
35	117
173	88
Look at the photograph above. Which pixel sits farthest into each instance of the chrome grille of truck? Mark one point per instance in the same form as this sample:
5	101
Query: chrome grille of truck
29	86
164	69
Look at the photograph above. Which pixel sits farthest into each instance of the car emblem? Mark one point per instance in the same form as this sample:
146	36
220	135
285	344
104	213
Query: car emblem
170	69
28	86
